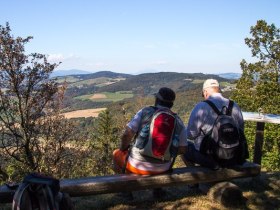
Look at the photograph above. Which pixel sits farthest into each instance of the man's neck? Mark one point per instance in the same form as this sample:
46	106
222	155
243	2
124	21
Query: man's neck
162	107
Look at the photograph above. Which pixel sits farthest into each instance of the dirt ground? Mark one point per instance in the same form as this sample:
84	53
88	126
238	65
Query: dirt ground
261	192
98	96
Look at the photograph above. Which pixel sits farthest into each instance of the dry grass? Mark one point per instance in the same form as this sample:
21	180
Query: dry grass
98	96
262	193
83	113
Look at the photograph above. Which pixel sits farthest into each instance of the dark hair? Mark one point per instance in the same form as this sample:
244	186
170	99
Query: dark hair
165	97
162	103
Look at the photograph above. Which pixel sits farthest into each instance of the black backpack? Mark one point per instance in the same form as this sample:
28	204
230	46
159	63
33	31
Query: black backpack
224	138
40	193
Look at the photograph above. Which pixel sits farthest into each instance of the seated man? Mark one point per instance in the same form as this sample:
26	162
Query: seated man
215	140
159	136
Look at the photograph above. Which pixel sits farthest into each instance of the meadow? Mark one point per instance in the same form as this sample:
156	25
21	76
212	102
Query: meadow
106	96
83	113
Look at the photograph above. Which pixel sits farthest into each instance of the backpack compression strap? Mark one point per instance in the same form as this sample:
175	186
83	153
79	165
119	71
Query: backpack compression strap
46	198
230	106
229	109
173	156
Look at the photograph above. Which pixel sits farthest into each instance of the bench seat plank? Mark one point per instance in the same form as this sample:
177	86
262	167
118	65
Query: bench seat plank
131	182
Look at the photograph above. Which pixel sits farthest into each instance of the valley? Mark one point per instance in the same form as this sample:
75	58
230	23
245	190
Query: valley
99	90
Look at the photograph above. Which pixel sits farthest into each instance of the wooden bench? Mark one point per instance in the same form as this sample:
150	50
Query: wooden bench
128	182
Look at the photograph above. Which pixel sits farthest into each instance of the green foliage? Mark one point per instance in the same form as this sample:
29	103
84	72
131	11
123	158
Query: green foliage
185	102
105	140
259	85
72	105
271	151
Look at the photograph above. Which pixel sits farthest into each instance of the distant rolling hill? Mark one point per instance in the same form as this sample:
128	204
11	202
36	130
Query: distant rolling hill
150	82
89	75
108	74
230	75
59	73
107	81
81	88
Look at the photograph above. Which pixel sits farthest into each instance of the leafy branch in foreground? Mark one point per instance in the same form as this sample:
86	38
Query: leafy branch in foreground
259	86
33	135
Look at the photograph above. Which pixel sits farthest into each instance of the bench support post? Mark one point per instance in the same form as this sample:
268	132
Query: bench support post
259	143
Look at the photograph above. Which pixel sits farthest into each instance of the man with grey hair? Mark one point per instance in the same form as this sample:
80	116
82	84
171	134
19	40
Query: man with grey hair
200	125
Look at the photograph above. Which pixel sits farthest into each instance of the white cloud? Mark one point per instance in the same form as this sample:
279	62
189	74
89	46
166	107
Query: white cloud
60	57
55	58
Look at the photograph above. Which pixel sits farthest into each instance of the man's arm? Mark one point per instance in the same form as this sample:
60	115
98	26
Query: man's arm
126	138
183	143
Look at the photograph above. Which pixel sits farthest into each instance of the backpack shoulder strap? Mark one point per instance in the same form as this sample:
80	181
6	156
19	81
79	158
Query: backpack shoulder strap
17	199
213	106
148	112
43	189
230	106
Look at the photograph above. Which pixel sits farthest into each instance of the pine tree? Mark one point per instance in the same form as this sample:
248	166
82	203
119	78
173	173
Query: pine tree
105	140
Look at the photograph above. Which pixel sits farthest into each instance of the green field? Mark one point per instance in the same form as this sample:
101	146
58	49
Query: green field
67	79
198	81
117	96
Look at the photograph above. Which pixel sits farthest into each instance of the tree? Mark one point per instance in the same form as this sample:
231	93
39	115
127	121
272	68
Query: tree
33	134
105	140
259	85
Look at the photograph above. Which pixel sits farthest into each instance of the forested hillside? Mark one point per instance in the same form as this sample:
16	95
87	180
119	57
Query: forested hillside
149	83
108	83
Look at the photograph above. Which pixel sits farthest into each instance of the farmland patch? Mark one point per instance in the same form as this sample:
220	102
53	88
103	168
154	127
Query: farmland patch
83	113
98	96
107	96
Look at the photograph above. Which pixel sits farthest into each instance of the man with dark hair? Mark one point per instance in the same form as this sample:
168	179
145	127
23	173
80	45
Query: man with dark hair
201	147
159	136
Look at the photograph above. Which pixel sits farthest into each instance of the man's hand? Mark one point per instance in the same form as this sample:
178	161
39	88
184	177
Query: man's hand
182	150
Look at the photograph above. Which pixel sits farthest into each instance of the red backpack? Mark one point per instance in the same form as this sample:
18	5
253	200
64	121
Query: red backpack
157	138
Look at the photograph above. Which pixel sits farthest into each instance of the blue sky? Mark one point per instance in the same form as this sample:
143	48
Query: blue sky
136	36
